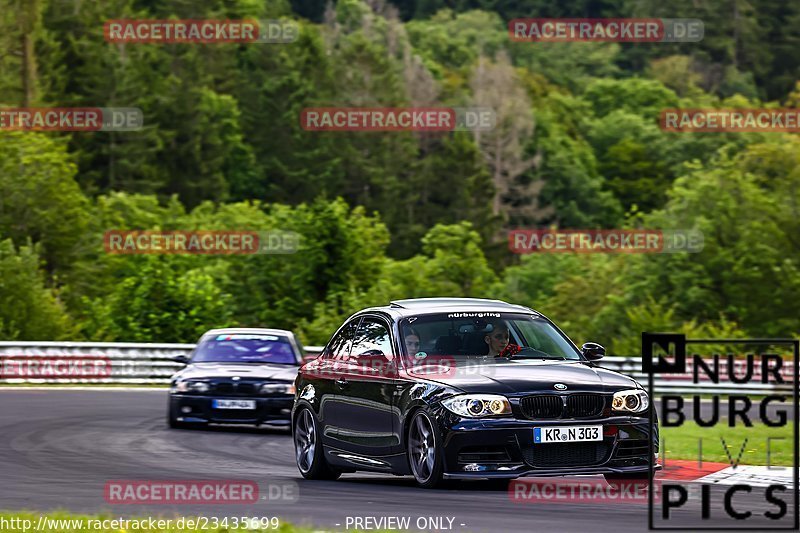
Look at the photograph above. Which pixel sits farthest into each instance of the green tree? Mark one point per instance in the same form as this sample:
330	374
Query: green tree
636	95
748	268
573	183
281	82
339	249
163	301
29	310
452	264
39	198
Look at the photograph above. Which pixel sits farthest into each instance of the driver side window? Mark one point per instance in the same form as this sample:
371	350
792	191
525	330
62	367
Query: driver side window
372	339
340	346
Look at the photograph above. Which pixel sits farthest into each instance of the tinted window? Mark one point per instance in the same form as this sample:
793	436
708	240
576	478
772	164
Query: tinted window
372	338
245	348
339	347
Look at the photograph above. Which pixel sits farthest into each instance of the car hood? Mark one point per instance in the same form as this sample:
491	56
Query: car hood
530	376
244	371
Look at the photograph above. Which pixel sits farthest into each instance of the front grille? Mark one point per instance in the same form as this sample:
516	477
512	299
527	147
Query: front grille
234	388
542	406
549	406
584	405
566	454
246	388
224	388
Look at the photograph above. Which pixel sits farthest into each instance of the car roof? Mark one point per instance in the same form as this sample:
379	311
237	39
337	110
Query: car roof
416	306
298	349
267	331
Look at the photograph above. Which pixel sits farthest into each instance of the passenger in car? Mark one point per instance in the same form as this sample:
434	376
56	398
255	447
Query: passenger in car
412	341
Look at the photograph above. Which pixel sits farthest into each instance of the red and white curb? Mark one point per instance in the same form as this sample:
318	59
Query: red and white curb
725	474
755	476
688	470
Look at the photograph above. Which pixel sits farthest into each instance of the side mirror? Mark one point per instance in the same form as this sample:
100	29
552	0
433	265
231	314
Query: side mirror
182	359
593	351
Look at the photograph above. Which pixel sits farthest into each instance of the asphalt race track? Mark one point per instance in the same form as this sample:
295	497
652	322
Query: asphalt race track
58	448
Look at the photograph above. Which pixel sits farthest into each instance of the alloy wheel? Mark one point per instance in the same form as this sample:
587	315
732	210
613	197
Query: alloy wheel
422	448
305	441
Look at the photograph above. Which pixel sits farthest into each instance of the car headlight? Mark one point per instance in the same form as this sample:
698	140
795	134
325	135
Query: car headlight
631	400
199	386
190	386
478	405
277	388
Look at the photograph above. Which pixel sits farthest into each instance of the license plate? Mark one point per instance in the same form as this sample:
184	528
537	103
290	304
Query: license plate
567	434
233	404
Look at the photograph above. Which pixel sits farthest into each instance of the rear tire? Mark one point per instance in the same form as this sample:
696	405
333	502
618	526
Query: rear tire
423	453
309	454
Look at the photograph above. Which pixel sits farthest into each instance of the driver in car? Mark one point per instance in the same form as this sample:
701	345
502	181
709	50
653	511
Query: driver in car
497	338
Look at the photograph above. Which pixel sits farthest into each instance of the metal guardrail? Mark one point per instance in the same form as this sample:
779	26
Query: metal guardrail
128	363
152	363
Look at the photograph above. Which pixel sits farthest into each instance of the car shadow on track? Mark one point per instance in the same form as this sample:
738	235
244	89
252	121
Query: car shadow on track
251	430
407	482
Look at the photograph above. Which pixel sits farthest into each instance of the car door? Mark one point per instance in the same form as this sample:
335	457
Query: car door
323	372
362	410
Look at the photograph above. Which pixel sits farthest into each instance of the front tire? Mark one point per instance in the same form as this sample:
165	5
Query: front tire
173	422
308	448
423	451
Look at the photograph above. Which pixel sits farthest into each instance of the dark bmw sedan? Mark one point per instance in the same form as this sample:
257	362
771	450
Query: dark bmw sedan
465	388
236	376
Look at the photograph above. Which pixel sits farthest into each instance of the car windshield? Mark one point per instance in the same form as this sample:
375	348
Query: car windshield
244	348
480	334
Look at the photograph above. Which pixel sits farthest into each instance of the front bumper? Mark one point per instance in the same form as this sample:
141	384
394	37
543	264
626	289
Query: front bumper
273	410
504	448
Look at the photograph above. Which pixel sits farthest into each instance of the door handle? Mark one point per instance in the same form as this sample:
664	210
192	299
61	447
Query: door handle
342	383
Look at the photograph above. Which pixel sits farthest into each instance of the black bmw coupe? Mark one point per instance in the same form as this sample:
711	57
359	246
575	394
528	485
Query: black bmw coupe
236	376
452	388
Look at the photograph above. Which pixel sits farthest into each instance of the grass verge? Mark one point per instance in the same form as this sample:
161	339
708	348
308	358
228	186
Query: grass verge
682	443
